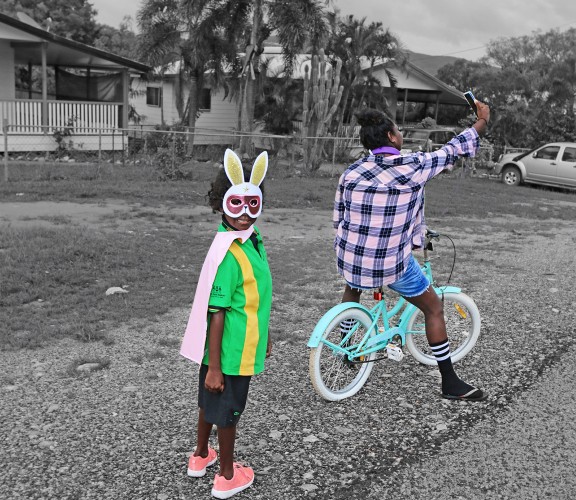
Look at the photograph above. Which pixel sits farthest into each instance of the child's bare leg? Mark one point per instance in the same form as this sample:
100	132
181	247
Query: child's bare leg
452	386
226	439
203	435
351	294
431	305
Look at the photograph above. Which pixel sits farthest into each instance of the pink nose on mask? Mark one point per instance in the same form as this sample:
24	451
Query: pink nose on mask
238	204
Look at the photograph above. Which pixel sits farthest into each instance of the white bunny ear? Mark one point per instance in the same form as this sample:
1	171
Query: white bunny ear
233	167
259	169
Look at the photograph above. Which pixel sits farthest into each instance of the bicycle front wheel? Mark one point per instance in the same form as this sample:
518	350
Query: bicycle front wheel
332	375
462	325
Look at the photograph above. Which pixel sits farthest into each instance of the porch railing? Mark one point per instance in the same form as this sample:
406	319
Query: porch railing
26	115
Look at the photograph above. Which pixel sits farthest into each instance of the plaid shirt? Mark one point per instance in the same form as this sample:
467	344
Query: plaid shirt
379	210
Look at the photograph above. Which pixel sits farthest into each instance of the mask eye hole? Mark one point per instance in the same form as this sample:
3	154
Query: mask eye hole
254	203
235	202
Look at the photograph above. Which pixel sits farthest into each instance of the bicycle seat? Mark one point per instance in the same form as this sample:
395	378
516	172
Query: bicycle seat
432	234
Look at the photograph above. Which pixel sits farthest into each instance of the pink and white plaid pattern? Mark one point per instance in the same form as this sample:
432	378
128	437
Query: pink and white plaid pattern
379	210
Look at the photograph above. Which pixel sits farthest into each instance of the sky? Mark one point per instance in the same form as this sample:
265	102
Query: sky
458	28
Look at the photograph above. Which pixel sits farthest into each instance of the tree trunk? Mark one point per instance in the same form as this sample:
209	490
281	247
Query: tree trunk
192	110
247	122
162	100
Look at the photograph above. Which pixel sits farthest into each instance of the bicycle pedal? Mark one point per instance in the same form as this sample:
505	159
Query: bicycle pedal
394	352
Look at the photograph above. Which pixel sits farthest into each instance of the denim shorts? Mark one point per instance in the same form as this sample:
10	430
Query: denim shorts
413	282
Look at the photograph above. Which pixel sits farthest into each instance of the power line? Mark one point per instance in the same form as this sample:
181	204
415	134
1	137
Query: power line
486	45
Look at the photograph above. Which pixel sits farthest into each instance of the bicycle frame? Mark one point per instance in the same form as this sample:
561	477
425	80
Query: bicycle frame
376	338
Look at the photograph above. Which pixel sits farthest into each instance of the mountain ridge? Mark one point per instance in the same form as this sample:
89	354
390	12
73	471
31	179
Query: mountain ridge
430	64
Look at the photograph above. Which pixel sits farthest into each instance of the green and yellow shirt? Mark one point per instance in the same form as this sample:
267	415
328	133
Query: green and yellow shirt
243	287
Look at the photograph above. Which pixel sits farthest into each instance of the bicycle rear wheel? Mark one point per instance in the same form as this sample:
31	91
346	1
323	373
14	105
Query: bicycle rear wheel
462	325
332	375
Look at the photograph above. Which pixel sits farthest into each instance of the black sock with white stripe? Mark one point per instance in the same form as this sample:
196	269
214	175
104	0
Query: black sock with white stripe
345	326
451	384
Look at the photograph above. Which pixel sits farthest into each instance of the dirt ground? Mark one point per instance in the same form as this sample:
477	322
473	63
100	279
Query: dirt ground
126	431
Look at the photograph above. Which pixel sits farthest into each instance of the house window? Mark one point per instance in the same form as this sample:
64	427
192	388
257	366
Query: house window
205	103
153	96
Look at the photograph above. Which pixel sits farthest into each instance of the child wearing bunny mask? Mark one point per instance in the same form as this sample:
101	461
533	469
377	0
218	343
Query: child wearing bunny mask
227	333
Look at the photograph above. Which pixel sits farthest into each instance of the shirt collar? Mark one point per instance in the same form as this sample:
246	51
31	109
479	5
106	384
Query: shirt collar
226	225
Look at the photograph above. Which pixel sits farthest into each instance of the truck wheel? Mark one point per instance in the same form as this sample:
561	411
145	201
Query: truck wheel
511	176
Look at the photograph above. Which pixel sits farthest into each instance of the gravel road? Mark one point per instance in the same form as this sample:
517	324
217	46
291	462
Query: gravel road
125	431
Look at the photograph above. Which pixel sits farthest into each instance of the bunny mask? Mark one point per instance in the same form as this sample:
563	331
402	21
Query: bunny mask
244	197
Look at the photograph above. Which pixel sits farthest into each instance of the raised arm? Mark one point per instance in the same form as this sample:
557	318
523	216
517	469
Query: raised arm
483	117
463	145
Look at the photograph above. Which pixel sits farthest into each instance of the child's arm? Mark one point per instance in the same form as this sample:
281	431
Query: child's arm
269	347
214	378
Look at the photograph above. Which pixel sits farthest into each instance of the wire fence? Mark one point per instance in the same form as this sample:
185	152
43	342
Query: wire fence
173	153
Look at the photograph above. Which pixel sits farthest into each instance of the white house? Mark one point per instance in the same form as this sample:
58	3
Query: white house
48	82
155	99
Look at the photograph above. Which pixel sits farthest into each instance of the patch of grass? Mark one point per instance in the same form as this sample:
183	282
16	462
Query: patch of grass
54	281
446	195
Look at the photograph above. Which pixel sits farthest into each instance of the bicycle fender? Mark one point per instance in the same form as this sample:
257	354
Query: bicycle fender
325	320
447	289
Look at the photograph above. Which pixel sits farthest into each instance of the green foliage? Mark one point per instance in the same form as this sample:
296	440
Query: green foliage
279	104
122	42
74	19
200	37
362	48
530	84
428	122
62	136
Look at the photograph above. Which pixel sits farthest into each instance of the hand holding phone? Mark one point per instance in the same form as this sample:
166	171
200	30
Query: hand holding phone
469	96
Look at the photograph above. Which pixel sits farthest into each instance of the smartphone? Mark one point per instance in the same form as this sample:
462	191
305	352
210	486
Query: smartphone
469	96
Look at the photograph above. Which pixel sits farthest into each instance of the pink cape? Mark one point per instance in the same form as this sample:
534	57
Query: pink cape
195	335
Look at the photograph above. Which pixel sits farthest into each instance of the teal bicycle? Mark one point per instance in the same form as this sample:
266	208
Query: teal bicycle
349	338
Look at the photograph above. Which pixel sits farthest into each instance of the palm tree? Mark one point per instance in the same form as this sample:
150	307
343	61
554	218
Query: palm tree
360	46
297	23
198	34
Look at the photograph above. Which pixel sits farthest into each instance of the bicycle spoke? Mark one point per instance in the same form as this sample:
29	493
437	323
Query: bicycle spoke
337	372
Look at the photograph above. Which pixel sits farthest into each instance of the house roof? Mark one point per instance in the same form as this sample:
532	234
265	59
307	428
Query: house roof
26	40
422	85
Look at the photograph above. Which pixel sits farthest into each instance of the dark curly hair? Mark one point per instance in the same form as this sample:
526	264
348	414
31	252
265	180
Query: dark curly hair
374	128
220	185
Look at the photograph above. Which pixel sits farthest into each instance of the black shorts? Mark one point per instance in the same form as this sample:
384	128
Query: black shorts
223	409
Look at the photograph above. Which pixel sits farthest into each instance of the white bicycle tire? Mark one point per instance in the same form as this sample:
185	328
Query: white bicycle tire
315	368
463	348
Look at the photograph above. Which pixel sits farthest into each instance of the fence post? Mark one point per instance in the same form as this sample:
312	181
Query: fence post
5	132
333	153
113	149
123	151
173	152
99	147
